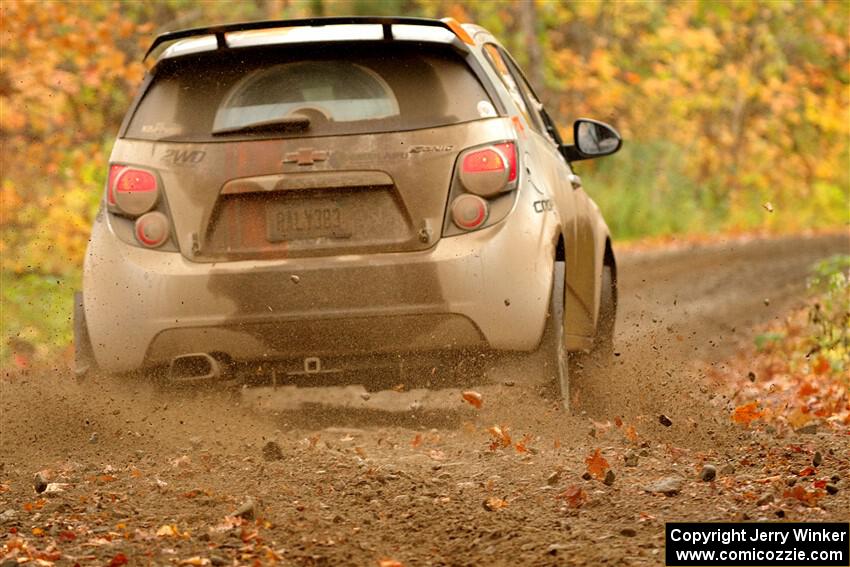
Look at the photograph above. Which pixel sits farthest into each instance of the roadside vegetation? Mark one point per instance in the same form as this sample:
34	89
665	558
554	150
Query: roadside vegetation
796	374
734	115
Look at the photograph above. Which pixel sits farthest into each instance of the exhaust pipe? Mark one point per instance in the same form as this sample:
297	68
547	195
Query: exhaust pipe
192	368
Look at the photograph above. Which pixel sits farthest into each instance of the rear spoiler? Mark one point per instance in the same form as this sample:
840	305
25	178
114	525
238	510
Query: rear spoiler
221	41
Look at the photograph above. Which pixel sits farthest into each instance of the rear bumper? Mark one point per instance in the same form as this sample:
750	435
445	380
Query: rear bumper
482	289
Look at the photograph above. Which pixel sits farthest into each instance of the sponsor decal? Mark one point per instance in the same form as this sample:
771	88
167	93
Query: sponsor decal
426	148
543	205
486	109
162	130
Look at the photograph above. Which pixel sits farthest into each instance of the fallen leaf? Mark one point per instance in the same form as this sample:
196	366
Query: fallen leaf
803	495
574	496
119	559
417	441
37	505
248	535
799	418
196	560
807	471
493	503
631	434
389	563
522	444
104	478
820	483
746	413
618	421
167	531
822	366
229	523
597	466
500	435
473	398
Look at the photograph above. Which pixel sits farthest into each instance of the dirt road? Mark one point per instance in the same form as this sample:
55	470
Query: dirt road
156	478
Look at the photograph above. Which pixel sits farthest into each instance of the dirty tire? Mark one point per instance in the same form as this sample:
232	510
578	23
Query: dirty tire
545	370
594	366
603	345
85	363
553	350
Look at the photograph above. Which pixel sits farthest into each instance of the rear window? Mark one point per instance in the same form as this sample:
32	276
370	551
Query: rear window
309	91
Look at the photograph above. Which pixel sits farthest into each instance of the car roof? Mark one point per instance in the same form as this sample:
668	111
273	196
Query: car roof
309	30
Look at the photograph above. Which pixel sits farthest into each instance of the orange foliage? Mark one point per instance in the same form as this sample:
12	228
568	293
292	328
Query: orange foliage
746	413
574	496
500	437
473	398
597	466
807	497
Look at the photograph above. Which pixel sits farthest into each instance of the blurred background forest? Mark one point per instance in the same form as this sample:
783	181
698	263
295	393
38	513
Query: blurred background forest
736	117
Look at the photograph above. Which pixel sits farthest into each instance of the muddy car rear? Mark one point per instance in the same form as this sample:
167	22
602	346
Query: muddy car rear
275	195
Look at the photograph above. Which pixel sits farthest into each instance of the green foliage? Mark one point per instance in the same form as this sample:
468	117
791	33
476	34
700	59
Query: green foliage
37	311
646	192
764	340
829	316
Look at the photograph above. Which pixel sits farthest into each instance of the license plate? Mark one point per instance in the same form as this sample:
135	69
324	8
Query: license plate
317	219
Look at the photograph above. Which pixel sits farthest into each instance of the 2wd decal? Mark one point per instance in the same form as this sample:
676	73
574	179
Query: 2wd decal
184	157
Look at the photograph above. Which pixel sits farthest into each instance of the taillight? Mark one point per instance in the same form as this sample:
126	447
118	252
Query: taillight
489	170
484	187
114	172
152	229
488	159
132	191
509	149
139	212
469	211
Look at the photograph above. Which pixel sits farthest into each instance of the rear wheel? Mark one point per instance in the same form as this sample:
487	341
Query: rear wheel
552	352
546	369
85	363
604	343
583	364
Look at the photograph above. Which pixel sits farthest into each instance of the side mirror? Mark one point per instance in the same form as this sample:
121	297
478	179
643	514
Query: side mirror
592	139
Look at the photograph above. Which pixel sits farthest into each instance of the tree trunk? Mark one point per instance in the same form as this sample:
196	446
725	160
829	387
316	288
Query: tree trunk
528	29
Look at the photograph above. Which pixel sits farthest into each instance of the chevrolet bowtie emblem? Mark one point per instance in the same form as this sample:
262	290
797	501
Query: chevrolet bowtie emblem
305	156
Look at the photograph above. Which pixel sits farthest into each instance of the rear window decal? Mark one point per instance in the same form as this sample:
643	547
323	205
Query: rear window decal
486	109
